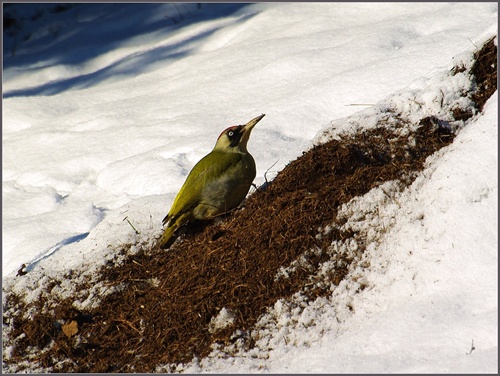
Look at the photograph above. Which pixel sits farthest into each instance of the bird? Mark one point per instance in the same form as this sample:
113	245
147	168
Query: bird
217	183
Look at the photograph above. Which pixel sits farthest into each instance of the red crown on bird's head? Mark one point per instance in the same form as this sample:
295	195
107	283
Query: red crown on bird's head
234	128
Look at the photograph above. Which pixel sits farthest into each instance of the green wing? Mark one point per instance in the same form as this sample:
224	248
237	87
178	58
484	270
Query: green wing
208	168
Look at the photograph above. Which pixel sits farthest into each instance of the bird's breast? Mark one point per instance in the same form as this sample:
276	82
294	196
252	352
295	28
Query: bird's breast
226	191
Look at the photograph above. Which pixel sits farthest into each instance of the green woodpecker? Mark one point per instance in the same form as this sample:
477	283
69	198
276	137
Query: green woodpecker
217	183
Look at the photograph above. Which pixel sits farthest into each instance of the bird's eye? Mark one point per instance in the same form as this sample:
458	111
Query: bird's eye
230	133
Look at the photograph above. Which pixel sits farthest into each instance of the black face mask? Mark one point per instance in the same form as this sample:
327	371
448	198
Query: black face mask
234	134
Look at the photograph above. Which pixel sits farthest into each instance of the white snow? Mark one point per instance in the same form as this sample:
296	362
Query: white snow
106	111
224	319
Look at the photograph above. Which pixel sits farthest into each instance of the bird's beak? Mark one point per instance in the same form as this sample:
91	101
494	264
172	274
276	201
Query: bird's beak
248	126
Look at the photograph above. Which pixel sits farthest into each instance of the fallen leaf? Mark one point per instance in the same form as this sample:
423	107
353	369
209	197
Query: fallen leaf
70	329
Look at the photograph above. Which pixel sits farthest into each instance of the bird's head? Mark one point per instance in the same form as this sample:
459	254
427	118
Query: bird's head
235	138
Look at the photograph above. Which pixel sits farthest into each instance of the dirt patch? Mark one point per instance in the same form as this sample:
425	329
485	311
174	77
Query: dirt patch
485	72
165	301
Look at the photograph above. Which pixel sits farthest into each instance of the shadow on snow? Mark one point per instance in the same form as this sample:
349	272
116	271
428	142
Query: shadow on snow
93	41
55	248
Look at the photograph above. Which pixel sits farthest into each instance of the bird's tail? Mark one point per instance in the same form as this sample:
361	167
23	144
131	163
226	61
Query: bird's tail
166	239
166	236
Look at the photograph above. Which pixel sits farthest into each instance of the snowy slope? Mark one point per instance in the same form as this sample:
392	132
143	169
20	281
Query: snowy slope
100	130
151	105
430	283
